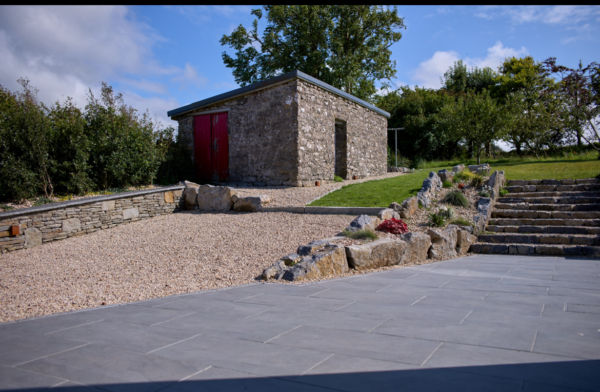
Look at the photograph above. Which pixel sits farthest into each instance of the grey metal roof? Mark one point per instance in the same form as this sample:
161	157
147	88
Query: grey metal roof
273	81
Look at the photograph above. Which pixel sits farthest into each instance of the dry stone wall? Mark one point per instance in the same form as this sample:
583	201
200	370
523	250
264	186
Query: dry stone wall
263	136
58	221
366	136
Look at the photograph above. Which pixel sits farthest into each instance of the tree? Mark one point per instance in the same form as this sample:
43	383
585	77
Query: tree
458	79
345	46
475	117
534	86
423	137
579	90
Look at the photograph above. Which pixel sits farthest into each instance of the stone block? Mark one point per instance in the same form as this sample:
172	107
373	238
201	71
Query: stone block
388	213
529	188
535	182
131	213
329	260
215	198
464	240
458	168
545	214
33	237
108	205
518	182
363	222
511	229
567	182
72	224
381	253
479	169
553	239
546	188
549	250
443	243
409	207
417	247
169	197
249	204
445	175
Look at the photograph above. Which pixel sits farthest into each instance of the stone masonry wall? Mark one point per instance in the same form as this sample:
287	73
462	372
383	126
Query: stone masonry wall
76	217
262	129
366	136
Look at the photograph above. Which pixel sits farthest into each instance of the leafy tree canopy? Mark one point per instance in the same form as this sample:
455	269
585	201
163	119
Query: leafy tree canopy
459	79
345	46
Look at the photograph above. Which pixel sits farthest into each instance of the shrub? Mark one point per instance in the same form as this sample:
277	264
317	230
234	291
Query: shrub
447	212
461	222
42	200
456	199
477	180
485	191
447	184
364	234
338	179
5	207
437	220
465	175
394	226
503	191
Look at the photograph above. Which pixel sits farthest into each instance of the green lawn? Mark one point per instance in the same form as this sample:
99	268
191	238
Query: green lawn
381	193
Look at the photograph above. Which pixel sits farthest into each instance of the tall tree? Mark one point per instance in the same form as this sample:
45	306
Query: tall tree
460	79
342	45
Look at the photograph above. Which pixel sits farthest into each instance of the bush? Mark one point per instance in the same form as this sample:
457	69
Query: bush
503	191
461	222
465	175
456	199
477	180
437	220
364	234
338	179
42	200
393	225
447	212
447	184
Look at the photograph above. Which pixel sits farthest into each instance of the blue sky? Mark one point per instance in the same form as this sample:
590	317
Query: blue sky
161	58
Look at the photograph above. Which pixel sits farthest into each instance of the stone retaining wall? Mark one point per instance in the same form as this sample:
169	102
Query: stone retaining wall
29	227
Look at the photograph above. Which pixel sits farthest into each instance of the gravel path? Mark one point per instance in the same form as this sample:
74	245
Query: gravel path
293	196
166	255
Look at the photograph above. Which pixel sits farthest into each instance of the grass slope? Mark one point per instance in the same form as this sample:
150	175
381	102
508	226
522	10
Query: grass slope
381	193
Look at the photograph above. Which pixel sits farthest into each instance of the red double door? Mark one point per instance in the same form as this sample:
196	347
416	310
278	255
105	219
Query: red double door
211	147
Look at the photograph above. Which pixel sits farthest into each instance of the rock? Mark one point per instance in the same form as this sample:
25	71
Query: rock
396	207
329	260
276	271
291	258
363	222
248	204
388	213
431	185
33	237
381	253
484	168
496	181
445	175
69	225
417	246
464	239
169	197
458	168
215	198
108	205
443	243
190	194
312	247
409	207
131	213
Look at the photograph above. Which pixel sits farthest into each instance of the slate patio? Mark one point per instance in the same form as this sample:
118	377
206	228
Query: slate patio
478	323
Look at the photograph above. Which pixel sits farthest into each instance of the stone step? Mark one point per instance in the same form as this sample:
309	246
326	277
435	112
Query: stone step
548	207
544	229
542	222
540	214
553	188
553	239
536	249
550	200
554	182
589	193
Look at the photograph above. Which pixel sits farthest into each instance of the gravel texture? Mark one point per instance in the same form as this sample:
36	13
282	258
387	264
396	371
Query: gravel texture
166	255
295	196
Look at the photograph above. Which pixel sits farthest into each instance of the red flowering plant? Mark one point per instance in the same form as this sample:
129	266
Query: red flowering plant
461	185
393	225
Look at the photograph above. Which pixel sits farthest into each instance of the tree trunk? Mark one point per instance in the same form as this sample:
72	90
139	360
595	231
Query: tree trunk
478	155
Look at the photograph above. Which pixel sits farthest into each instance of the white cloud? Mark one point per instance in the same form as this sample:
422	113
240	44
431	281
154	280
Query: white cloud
556	15
430	72
190	78
64	51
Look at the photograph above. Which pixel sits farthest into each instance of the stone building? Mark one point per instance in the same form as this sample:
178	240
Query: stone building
291	130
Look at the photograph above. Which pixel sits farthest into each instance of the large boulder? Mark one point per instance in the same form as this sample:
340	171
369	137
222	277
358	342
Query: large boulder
388	213
464	239
495	182
409	207
417	246
215	198
484	168
445	175
443	243
381	253
458	168
363	222
249	203
431	185
329	260
190	194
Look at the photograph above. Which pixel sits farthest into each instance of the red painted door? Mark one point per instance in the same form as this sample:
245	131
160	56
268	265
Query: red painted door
211	147
220	151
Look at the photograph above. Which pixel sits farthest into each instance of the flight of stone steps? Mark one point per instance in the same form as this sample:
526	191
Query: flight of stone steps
545	217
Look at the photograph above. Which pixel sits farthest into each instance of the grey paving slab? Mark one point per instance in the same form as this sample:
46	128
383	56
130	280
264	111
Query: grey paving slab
15	378
374	346
475	323
244	356
135	337
19	347
115	369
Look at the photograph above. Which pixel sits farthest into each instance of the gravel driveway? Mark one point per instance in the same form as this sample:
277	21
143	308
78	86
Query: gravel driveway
166	255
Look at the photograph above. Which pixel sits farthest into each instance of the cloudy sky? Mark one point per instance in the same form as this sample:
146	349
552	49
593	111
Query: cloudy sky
161	58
